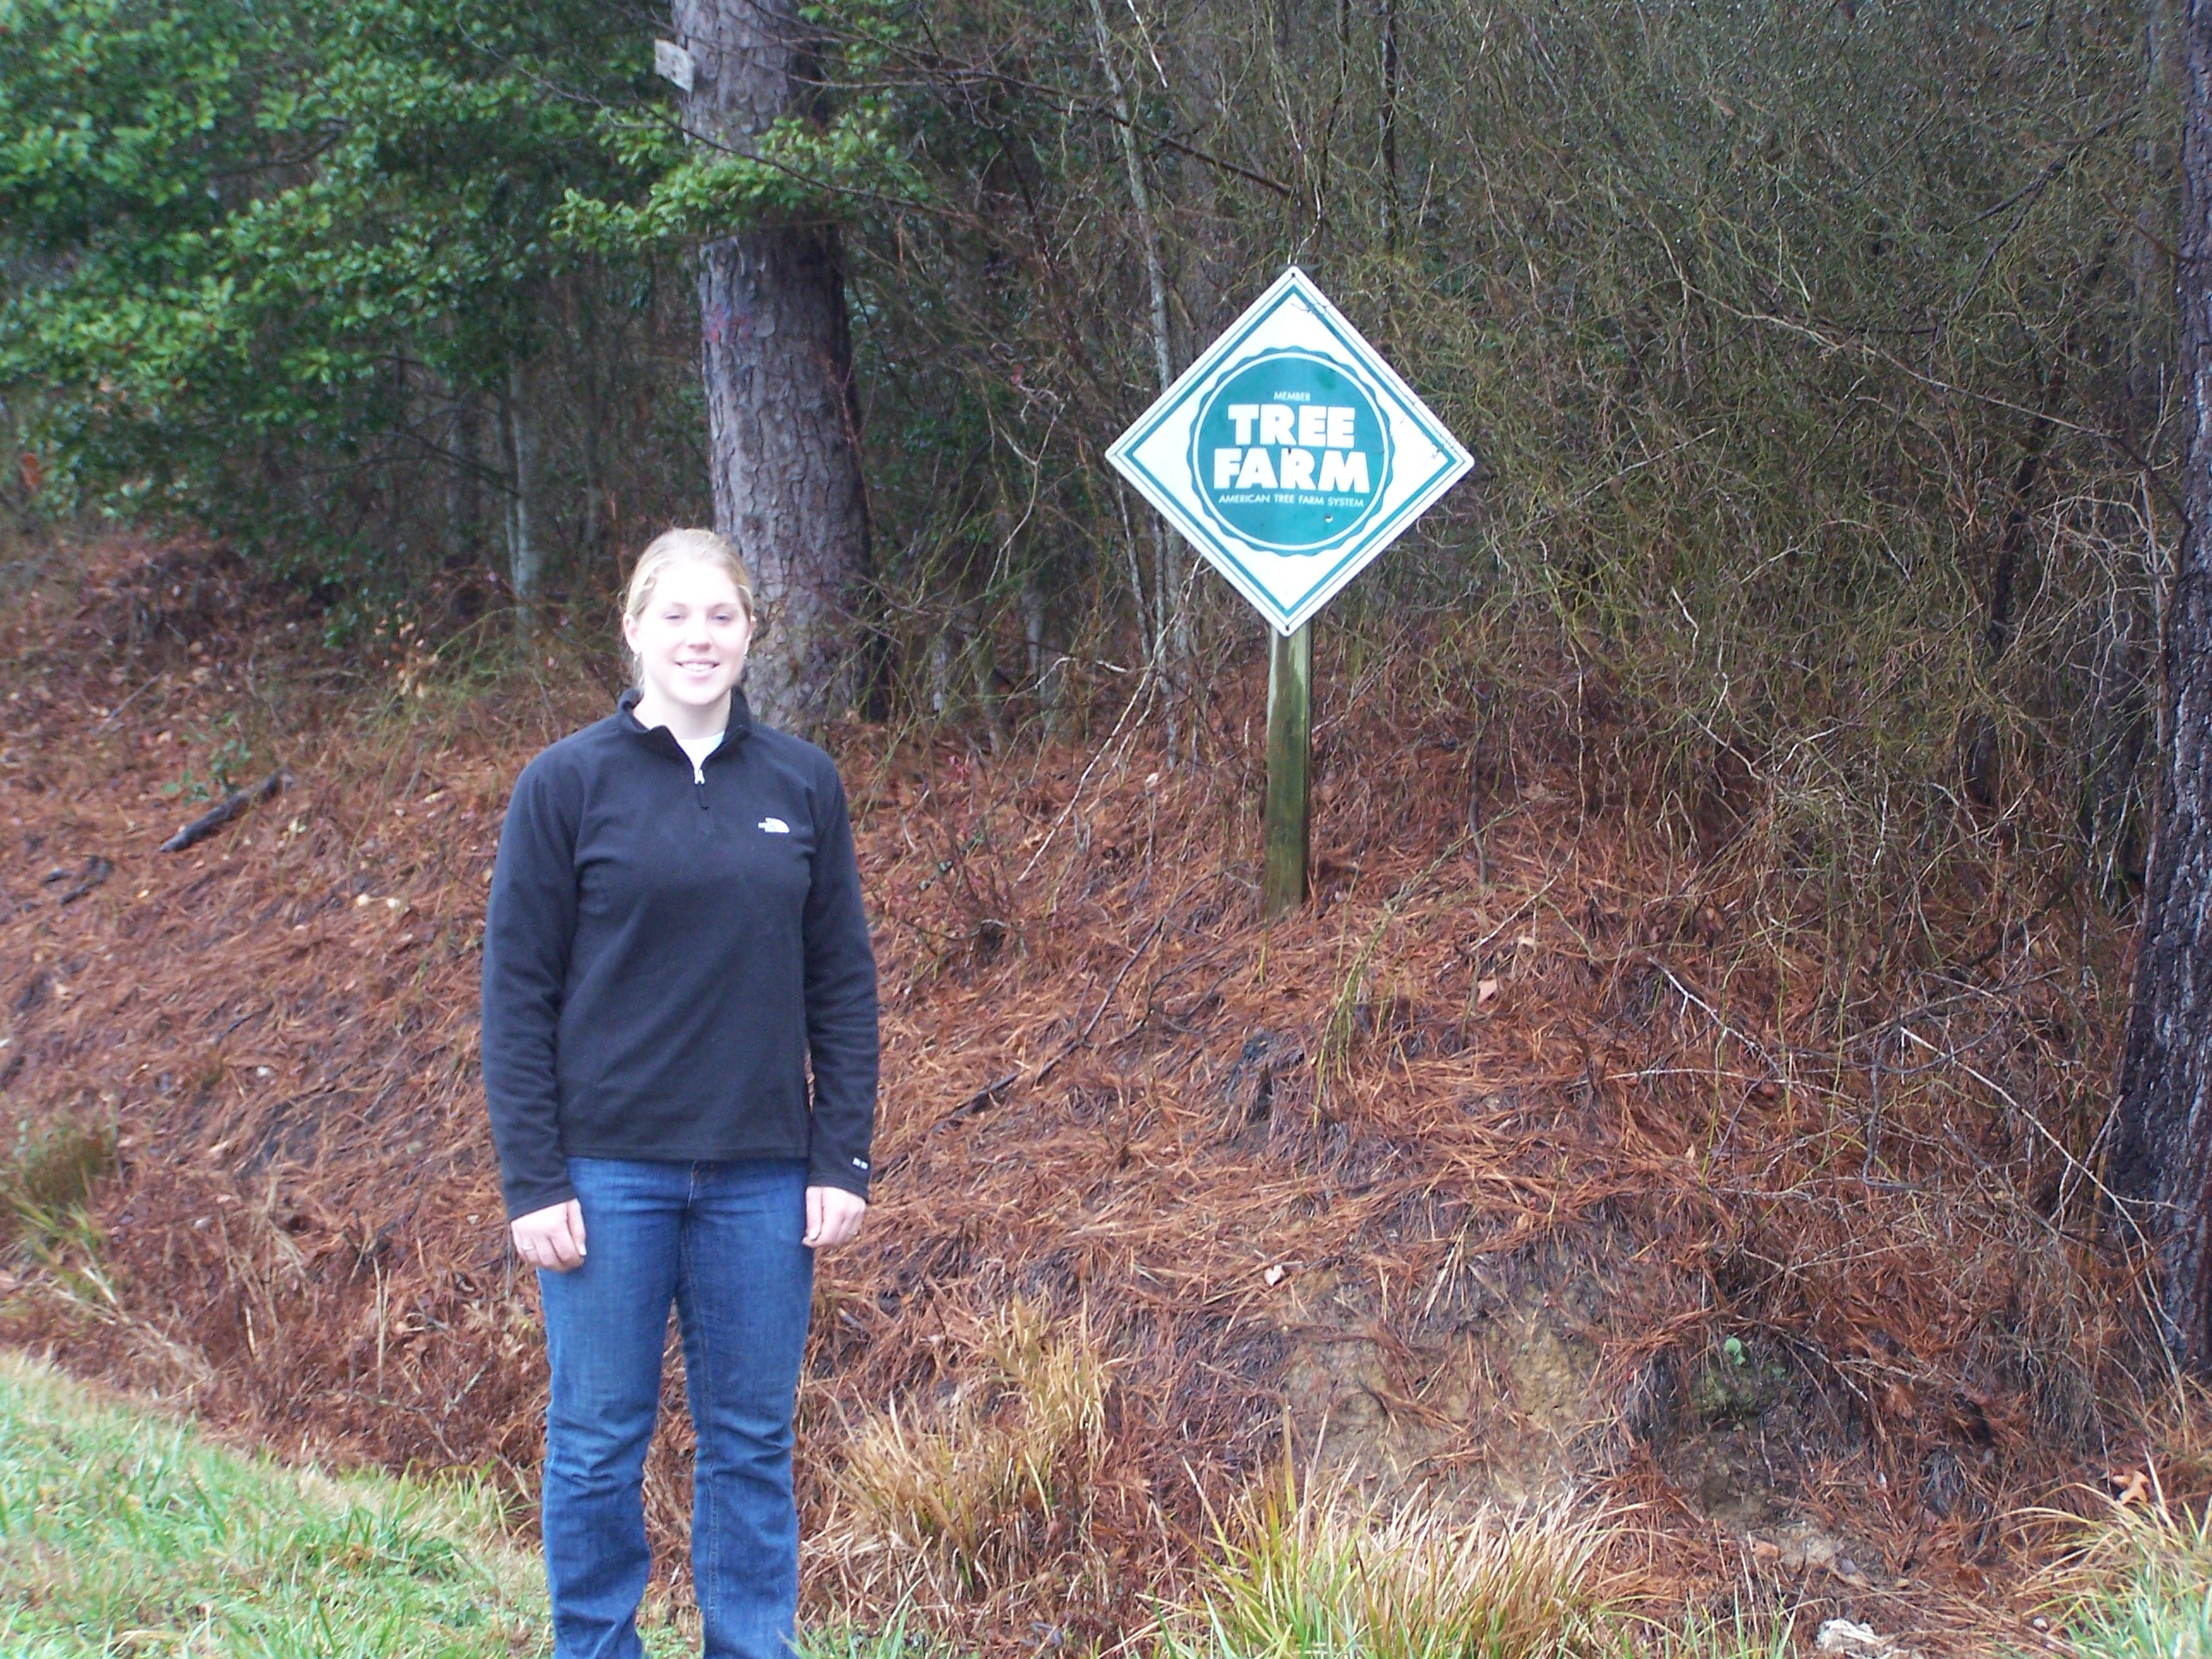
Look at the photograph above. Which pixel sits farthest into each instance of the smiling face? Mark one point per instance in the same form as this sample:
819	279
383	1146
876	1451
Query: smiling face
690	641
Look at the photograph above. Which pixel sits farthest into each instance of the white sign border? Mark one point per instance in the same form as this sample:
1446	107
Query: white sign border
1293	283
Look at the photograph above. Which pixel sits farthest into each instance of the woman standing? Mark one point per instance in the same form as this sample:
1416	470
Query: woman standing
675	935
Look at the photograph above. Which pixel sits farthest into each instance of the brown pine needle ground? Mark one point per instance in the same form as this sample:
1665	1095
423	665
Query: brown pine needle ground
1545	1161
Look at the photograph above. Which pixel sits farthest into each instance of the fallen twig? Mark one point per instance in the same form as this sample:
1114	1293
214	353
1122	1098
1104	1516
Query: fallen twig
223	811
96	870
116	713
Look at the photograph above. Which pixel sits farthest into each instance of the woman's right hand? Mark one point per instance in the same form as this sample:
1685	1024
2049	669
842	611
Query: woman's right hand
552	1239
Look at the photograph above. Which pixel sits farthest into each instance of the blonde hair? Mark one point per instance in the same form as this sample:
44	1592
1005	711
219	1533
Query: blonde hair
673	547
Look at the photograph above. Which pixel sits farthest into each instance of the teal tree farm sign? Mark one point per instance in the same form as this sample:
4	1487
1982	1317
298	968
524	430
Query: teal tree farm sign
1290	454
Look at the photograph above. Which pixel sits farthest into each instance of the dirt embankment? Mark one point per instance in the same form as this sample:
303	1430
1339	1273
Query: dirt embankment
1535	1159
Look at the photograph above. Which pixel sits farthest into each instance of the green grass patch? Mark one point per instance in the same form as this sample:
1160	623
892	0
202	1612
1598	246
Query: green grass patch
123	1534
897	1639
2150	1593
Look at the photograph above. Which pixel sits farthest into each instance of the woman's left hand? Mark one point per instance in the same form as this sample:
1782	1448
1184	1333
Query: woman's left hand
833	1217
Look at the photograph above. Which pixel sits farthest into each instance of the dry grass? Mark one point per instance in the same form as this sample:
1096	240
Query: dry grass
2137	1581
49	1174
954	1502
1590	1094
1317	1575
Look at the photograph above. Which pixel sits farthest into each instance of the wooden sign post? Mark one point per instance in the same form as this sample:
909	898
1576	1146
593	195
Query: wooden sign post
1286	827
1290	454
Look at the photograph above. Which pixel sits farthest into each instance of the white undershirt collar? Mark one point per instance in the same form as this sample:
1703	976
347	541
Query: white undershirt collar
698	749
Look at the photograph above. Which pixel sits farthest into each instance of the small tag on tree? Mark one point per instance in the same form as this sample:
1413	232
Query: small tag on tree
672	64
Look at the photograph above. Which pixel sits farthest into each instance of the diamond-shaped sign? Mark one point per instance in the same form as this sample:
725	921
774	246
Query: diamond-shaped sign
1290	453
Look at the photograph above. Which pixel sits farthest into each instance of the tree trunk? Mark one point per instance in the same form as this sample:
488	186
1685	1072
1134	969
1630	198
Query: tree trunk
983	676
526	561
1387	124
1048	665
464	497
2161	1160
2147	363
590	334
777	359
1171	629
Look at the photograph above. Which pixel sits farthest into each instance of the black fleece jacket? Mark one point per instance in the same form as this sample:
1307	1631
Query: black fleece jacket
664	957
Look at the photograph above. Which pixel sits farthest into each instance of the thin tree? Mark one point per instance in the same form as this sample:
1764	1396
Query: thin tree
2161	1161
777	358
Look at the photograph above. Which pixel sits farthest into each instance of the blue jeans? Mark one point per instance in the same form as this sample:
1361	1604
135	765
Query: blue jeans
721	1242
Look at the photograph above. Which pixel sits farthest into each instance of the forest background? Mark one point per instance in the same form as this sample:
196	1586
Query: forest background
1820	362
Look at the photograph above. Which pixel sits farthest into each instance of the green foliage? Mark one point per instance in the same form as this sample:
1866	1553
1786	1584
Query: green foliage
232	231
799	168
266	268
846	156
224	768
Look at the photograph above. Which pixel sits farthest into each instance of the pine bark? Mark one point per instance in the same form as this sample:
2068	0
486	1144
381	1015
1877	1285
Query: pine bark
2162	1159
777	359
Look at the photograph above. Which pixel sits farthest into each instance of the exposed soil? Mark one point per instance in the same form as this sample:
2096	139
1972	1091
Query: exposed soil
1548	1160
